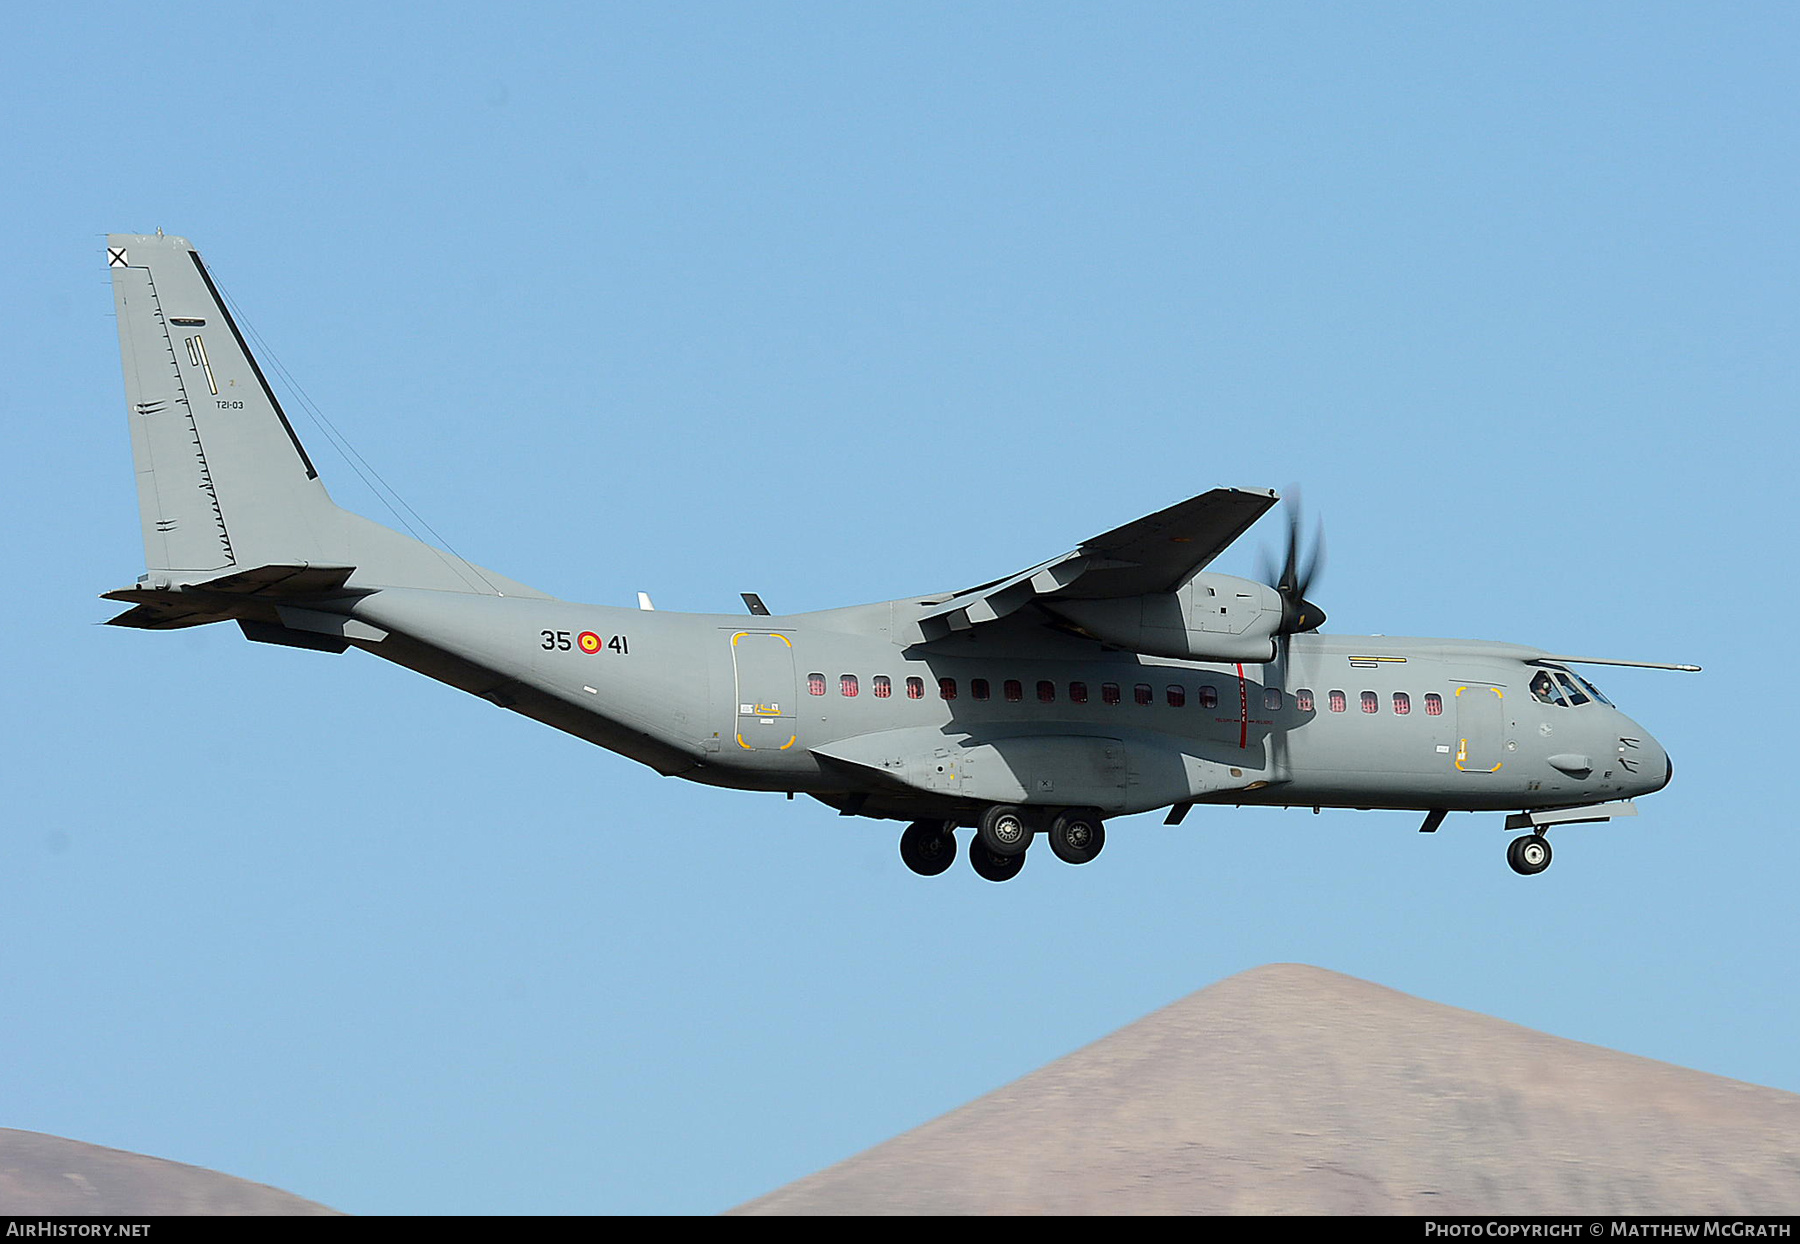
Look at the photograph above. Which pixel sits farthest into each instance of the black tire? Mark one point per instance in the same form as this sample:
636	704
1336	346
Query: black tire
928	847
993	867
1077	835
1529	854
1005	829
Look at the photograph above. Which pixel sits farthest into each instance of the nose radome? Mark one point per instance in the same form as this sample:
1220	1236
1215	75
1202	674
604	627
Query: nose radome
1658	775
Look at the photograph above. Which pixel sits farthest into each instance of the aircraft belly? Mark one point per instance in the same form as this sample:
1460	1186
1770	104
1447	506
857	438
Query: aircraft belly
1114	774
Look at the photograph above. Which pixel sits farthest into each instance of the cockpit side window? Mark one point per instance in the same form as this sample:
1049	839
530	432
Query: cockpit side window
1545	691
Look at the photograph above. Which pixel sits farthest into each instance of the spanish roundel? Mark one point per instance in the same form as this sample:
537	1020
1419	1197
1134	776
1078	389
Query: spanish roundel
590	642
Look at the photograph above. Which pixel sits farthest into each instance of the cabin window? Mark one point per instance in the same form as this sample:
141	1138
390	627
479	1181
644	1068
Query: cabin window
1143	693
1209	697
1402	703
1371	703
1434	704
1337	701
815	684
947	688
1078	693
1109	692
978	688
1303	700
847	684
1013	690
915	688
1177	696
1046	691
884	686
1272	699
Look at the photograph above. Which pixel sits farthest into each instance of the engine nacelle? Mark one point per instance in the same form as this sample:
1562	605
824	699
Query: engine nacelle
1211	617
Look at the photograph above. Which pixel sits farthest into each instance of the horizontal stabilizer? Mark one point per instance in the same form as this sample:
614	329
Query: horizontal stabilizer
168	613
196	604
282	580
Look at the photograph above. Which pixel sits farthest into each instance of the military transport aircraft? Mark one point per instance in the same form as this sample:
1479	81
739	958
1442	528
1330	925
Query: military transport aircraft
1117	678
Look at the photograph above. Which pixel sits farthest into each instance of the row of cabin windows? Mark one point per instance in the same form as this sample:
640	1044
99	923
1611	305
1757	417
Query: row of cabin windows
1174	695
1338	702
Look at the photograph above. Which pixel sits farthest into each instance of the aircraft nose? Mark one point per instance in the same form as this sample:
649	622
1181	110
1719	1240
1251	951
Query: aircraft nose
1646	761
1659	775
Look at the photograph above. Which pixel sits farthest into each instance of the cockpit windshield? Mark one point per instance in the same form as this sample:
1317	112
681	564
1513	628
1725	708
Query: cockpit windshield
1594	691
1574	693
1554	685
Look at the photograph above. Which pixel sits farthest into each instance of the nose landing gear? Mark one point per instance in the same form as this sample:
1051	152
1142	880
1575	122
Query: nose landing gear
1529	854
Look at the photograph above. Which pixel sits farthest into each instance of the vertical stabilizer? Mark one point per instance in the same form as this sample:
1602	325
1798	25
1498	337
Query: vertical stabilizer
224	483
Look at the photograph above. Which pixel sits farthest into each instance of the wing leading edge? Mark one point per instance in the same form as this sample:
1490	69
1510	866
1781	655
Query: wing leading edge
1156	553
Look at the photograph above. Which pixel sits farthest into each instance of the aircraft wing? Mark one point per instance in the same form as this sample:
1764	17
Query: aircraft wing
1156	553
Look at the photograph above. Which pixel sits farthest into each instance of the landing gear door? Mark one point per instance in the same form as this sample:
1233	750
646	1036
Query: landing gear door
1480	727
763	664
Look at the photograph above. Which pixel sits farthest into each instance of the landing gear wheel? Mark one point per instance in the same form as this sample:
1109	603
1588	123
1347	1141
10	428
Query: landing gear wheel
928	847
1004	830
1529	855
994	867
1076	835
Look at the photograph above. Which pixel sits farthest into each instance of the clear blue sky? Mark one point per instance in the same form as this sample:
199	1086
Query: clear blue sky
836	303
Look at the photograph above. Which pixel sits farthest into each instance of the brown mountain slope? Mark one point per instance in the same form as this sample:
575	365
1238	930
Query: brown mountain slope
52	1176
1290	1089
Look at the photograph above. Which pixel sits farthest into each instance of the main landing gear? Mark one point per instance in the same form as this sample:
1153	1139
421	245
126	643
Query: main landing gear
1002	836
1529	854
991	867
929	847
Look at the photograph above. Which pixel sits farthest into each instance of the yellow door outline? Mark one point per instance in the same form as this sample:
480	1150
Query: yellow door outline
1462	745
765	711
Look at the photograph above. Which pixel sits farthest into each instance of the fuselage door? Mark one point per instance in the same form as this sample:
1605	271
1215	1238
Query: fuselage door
1480	727
763	662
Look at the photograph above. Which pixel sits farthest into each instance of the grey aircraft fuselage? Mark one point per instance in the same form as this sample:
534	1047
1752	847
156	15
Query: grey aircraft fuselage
729	700
1120	677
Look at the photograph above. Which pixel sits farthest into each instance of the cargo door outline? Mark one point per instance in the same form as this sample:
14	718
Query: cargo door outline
1480	723
762	665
